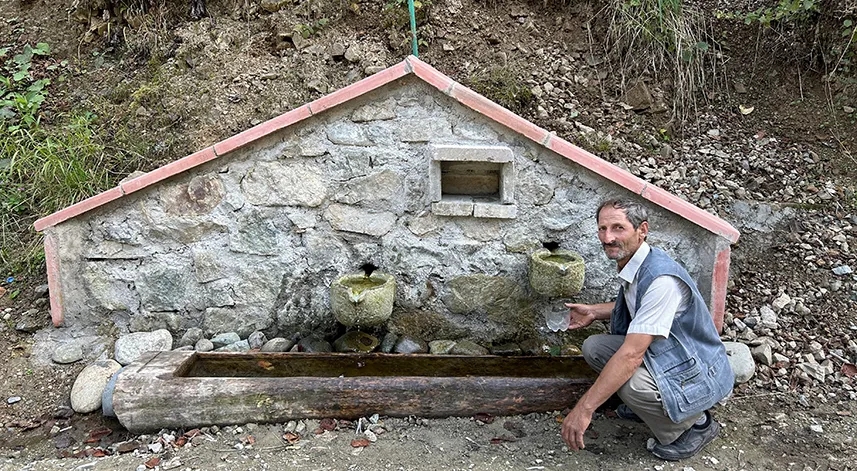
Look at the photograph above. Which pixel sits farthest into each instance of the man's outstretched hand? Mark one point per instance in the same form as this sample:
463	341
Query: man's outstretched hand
573	427
581	315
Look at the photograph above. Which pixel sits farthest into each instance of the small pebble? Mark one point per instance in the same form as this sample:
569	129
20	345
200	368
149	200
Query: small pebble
13	399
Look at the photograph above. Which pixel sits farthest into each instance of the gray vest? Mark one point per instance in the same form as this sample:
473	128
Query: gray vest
690	366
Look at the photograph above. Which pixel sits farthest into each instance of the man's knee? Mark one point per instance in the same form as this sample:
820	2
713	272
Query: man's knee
589	347
597	350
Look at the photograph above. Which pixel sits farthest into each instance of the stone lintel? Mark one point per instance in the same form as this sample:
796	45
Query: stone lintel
496	154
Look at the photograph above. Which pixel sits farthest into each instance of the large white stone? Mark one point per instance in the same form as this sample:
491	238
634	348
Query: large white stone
381	186
741	361
277	184
89	385
131	346
346	218
349	134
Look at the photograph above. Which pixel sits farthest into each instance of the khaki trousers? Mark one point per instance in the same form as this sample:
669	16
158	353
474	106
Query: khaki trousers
640	393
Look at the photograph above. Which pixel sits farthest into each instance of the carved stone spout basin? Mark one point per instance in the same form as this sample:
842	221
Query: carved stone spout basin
363	301
557	274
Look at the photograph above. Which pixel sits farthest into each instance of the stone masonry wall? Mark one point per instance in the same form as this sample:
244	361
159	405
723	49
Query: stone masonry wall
252	240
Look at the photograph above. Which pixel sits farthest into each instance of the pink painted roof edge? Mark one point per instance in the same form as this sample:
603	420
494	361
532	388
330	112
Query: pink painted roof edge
460	93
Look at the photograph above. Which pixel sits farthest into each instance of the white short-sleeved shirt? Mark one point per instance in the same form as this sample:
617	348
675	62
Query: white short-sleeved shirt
666	298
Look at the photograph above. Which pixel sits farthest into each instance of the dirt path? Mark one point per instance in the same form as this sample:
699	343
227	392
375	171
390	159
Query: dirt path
757	434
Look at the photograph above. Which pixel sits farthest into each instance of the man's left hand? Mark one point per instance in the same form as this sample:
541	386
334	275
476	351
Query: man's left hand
573	427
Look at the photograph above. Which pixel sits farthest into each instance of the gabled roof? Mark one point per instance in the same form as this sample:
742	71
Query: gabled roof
456	91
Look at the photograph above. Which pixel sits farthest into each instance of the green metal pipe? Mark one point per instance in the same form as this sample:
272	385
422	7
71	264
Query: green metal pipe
413	27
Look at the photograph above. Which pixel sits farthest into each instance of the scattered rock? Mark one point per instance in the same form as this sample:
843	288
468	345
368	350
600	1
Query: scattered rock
406	344
781	302
204	345
763	354
468	347
313	344
352	54
30	323
373	69
638	97
68	353
388	343
277	344
191	337
256	340
336	51
129	347
441	347
222	340
768	318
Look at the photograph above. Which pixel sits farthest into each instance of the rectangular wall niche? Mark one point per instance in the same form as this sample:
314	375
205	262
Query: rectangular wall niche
477	181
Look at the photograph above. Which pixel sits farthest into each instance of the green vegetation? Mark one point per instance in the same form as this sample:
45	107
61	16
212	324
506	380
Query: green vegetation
500	85
311	29
398	19
809	20
663	37
786	10
43	168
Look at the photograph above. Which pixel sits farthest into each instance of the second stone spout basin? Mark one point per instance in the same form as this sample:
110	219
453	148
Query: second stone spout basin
557	274
363	301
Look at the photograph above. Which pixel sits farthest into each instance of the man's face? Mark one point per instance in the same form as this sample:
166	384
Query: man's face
617	235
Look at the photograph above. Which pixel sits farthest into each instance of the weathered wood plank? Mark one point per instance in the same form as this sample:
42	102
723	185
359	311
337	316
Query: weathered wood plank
297	386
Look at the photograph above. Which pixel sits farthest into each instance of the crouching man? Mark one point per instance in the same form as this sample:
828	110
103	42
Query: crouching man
663	357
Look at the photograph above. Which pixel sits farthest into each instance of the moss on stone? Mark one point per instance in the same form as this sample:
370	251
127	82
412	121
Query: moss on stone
425	324
557	274
360	302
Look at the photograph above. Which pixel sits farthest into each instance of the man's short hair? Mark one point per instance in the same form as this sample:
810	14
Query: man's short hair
635	212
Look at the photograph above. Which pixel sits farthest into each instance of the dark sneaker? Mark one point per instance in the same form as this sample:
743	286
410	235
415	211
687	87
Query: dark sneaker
625	412
691	442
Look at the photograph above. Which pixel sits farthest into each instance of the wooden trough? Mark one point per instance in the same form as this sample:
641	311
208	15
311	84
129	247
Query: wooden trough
181	389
